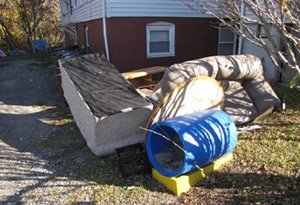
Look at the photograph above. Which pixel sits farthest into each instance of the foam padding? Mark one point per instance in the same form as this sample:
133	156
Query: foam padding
183	183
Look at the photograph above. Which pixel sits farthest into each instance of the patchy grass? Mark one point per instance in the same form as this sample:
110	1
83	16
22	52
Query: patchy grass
40	60
30	56
277	148
265	169
3	64
43	62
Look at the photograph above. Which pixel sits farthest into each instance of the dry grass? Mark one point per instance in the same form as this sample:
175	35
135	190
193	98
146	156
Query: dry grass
265	169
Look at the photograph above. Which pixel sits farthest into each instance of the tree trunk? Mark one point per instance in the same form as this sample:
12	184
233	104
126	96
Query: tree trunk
8	38
29	43
8	35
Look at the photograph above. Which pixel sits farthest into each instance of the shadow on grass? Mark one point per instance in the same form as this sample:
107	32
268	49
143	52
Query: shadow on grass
67	155
36	140
251	188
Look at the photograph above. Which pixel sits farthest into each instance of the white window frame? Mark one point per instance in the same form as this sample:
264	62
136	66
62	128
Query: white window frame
260	31
161	26
222	26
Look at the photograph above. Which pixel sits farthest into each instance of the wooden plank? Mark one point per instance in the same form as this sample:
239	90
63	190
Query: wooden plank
143	72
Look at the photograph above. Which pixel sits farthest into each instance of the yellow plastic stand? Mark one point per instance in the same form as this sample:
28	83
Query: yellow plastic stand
183	183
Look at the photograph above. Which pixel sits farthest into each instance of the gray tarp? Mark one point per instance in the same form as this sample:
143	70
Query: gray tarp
2	54
102	86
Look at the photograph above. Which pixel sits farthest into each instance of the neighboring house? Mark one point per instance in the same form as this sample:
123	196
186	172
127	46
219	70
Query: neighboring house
246	47
136	34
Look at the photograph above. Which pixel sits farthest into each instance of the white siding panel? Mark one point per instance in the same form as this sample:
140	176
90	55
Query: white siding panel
250	14
270	71
90	10
152	8
64	12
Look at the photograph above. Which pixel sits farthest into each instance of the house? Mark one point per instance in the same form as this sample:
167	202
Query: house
136	34
140	33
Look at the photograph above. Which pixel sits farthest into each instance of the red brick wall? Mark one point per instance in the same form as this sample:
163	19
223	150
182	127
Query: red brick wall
96	41
68	41
194	38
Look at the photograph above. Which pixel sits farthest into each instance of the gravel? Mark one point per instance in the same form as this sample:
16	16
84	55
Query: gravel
27	95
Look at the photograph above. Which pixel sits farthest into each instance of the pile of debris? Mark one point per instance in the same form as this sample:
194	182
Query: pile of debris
110	108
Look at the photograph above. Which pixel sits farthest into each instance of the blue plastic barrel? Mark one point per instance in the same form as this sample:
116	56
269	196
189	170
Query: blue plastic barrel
182	144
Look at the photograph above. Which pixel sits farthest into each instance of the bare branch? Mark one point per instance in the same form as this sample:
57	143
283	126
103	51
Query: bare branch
272	15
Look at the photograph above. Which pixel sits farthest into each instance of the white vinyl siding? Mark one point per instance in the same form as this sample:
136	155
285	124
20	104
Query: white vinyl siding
251	15
160	39
227	41
84	10
152	8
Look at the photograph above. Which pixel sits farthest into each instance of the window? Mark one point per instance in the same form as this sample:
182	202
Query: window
260	31
78	3
160	39
227	41
71	6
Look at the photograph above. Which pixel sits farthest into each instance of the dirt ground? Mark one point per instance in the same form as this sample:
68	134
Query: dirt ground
28	97
44	159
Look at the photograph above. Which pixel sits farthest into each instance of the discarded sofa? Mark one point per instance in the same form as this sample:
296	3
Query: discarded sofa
248	95
106	107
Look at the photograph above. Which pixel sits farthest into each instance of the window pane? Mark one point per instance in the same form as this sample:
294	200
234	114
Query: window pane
225	49
159	35
160	47
226	35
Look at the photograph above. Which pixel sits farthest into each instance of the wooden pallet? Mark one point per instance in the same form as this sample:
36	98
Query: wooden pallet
146	77
183	183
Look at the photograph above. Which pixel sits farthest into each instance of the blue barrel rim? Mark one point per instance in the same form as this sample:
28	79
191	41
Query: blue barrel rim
152	159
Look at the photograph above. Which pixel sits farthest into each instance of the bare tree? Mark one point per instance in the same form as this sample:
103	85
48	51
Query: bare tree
31	13
22	21
8	35
5	25
272	17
